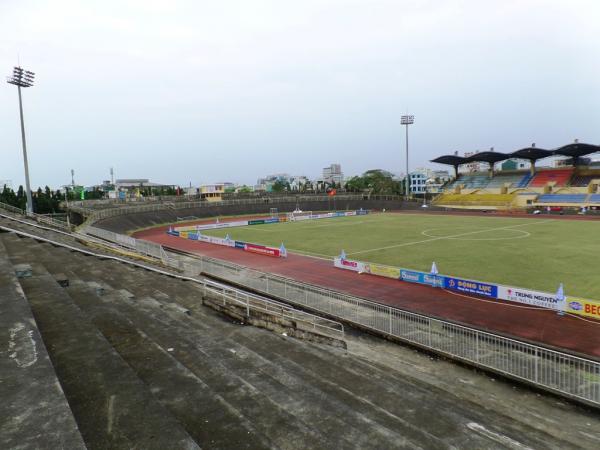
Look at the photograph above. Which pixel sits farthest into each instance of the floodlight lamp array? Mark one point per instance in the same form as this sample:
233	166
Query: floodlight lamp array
21	77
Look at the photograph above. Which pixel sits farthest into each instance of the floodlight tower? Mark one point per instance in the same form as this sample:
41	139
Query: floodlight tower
23	79
406	121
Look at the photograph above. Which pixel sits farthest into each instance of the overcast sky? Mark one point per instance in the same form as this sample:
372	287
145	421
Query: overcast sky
204	91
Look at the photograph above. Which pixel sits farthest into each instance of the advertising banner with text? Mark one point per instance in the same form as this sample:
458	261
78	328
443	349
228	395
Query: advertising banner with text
348	264
382	271
471	287
413	276
536	298
261	249
583	307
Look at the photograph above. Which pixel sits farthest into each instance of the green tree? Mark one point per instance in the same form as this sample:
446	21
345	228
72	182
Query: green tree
375	181
279	186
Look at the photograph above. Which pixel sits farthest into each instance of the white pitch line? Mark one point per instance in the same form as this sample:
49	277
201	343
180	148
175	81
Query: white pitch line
336	225
405	244
311	254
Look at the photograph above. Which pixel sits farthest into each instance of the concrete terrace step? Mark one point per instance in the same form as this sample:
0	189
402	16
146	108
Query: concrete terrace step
264	363
226	401
289	394
113	408
313	386
215	361
204	413
34	410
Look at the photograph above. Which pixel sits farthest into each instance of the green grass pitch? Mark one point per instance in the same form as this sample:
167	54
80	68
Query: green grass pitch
535	253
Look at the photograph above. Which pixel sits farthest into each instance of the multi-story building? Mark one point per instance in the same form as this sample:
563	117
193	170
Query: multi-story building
297	181
417	181
437	179
424	180
212	192
266	183
333	174
515	164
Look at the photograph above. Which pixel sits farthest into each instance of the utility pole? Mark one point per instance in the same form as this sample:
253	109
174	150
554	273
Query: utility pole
23	79
406	121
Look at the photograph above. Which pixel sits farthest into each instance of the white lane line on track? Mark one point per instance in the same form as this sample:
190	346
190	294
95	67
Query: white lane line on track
405	244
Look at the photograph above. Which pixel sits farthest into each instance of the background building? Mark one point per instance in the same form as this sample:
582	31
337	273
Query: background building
214	192
515	164
417	181
333	174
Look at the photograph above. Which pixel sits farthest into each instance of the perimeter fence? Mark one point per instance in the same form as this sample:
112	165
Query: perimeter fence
40	218
117	209
568	375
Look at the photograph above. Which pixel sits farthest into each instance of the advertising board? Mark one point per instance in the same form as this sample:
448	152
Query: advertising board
261	249
471	287
413	276
382	271
536	298
583	307
348	264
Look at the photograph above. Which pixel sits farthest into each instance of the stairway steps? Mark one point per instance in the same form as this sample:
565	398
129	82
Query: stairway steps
266	376
112	406
34	410
262	379
230	413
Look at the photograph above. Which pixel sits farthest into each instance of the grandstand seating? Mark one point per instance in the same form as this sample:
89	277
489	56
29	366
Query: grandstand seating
500	179
560	176
481	180
524	181
594	198
475	199
583	180
562	198
476	180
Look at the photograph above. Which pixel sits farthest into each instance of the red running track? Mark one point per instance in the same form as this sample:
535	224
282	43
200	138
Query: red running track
524	322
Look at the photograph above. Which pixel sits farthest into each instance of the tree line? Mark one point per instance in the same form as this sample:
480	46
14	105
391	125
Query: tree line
45	201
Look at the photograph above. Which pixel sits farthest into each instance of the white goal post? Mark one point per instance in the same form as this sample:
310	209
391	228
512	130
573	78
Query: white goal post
299	215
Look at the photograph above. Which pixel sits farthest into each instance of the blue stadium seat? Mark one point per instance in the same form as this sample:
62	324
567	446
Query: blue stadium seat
500	179
525	180
594	198
562	198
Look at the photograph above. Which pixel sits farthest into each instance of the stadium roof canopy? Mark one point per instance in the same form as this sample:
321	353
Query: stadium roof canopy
451	160
488	157
576	149
531	153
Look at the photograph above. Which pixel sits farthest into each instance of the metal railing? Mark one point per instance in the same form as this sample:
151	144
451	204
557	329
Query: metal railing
12	209
302	320
146	248
117	202
41	218
565	374
117	209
